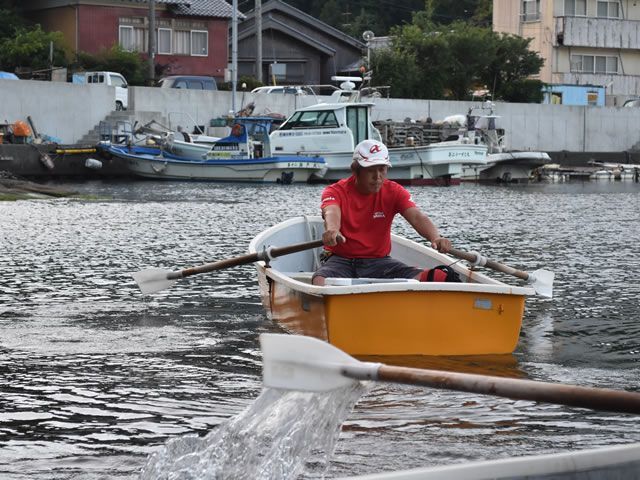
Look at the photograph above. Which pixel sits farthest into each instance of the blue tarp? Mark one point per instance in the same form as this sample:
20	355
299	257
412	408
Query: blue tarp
9	76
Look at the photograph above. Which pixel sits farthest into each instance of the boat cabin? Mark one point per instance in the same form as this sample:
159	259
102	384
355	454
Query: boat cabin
325	127
249	138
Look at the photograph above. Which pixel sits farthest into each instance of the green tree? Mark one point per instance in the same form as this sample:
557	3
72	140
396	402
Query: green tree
483	15
116	59
331	13
30	48
451	61
511	64
469	51
398	70
10	22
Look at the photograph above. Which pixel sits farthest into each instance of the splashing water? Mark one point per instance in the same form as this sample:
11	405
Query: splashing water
279	436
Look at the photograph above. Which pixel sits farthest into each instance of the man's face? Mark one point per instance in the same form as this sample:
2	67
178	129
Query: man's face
369	180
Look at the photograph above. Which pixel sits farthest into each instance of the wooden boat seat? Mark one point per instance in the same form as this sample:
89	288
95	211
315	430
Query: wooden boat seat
305	277
343	282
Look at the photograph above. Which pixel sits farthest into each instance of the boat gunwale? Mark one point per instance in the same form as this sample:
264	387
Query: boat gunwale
317	163
484	283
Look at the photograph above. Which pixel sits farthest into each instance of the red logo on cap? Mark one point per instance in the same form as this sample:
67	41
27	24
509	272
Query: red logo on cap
374	149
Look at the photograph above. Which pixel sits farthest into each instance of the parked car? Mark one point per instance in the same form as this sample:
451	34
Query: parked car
633	102
283	89
112	79
190	82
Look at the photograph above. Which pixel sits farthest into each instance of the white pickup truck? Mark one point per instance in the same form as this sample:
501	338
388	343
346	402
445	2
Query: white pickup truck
111	79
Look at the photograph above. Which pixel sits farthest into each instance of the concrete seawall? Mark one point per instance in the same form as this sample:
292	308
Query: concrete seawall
68	111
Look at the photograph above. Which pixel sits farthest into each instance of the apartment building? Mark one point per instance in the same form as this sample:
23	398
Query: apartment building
583	42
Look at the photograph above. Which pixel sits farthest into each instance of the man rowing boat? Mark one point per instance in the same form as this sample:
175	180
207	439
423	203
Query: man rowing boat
358	212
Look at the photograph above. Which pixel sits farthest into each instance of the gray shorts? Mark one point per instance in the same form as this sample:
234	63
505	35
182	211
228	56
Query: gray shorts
385	267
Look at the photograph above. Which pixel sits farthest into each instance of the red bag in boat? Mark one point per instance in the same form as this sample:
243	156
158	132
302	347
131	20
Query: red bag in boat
441	273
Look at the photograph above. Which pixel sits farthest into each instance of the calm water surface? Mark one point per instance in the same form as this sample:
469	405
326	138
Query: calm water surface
94	377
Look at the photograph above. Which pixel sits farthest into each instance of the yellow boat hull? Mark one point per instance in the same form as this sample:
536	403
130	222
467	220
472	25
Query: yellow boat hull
402	323
479	316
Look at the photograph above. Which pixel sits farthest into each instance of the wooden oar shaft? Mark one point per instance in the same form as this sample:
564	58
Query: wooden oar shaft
472	257
571	395
244	259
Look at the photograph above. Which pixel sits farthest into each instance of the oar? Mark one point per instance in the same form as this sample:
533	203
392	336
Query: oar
541	280
156	279
296	362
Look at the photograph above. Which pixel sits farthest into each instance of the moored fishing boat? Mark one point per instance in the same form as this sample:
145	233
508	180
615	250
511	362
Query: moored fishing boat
152	163
480	315
242	156
503	165
332	130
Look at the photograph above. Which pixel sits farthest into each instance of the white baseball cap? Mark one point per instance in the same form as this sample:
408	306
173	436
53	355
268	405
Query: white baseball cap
369	153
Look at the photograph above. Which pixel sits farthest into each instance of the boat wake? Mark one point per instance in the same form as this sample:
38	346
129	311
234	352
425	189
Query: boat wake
281	435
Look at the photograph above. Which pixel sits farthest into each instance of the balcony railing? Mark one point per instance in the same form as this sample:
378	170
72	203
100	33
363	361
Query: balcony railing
597	32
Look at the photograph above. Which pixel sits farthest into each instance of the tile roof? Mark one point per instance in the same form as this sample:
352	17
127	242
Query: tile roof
206	8
200	8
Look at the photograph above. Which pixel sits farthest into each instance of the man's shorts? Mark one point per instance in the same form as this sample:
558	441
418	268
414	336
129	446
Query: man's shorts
385	267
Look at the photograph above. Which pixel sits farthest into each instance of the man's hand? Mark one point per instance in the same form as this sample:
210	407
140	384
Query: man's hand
443	245
331	238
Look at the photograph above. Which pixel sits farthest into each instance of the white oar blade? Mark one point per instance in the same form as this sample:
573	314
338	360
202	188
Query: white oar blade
152	280
296	362
543	282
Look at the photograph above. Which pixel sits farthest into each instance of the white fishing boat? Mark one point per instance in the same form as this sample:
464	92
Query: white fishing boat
608	463
332	130
615	171
503	165
506	167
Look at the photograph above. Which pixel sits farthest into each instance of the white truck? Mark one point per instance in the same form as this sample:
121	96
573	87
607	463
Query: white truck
112	79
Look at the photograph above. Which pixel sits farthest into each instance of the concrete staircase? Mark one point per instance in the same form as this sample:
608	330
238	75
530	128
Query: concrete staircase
119	124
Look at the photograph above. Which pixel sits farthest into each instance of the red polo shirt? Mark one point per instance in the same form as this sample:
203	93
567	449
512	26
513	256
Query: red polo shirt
366	219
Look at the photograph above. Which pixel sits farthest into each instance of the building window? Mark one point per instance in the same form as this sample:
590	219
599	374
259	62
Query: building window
164	41
530	10
594	64
575	8
181	42
199	43
125	38
132	38
608	9
177	37
278	72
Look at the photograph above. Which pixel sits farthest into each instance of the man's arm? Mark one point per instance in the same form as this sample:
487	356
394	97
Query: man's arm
332	216
425	227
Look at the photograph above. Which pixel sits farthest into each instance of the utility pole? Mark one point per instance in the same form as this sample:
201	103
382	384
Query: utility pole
258	21
234	54
152	41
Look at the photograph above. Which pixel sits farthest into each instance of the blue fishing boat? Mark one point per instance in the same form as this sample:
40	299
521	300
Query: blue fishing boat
242	156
